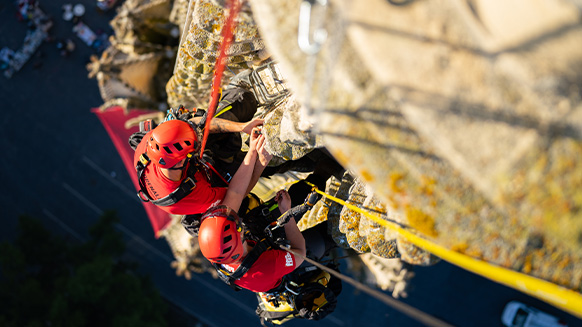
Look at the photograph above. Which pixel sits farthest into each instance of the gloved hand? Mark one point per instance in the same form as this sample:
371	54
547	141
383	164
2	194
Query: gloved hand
298	211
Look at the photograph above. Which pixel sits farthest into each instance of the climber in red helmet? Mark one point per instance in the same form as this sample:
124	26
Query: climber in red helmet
172	176
221	234
222	242
169	173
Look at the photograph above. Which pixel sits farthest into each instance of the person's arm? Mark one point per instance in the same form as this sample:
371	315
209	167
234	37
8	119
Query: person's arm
296	212
262	162
241	179
218	125
296	241
292	232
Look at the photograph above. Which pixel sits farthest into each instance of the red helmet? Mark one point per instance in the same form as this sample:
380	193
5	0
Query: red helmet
219	235
171	142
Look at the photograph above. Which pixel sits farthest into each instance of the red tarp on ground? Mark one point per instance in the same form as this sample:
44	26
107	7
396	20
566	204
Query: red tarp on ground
113	119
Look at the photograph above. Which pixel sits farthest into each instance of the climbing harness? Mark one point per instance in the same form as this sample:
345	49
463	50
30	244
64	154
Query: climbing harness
186	186
410	311
257	223
307	293
230	277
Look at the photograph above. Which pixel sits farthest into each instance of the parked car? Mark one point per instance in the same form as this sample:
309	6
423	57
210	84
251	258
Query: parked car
106	4
517	314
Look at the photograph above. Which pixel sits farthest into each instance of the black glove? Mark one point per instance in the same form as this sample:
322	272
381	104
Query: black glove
298	211
256	224
321	312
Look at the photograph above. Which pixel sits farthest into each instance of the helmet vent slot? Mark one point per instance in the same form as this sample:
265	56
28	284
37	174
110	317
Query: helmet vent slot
227	239
227	227
168	150
178	146
226	250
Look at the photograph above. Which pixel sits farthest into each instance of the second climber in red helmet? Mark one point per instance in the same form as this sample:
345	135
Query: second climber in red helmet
222	242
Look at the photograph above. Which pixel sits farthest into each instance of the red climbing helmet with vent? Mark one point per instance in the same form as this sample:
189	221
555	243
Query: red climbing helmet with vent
171	142
219	235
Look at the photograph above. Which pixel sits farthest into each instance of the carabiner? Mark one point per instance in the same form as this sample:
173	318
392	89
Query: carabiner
303	33
143	196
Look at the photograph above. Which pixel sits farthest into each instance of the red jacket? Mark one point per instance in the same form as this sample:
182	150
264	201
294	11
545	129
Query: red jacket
267	272
158	186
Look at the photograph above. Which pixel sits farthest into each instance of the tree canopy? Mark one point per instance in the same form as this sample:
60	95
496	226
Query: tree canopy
47	281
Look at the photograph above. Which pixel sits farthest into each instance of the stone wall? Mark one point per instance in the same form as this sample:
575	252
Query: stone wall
462	118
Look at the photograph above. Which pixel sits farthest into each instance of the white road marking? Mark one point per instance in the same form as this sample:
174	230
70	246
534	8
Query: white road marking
167	259
122	228
83	199
144	243
63	225
132	194
335	320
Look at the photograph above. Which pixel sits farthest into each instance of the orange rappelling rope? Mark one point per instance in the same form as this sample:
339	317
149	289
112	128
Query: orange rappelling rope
233	8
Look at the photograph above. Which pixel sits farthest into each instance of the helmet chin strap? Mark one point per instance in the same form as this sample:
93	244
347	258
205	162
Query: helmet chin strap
184	165
179	168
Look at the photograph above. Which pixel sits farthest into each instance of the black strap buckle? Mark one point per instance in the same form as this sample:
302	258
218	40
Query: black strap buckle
191	183
144	159
265	212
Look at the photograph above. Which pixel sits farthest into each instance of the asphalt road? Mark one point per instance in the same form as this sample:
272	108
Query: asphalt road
59	165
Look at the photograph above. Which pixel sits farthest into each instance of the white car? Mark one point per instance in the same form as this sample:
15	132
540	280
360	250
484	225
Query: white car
517	314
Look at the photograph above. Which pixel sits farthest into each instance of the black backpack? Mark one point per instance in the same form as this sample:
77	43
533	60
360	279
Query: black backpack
307	293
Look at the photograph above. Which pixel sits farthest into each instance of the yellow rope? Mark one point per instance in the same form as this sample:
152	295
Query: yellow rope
558	296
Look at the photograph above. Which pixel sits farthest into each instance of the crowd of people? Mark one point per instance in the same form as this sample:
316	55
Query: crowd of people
97	40
38	25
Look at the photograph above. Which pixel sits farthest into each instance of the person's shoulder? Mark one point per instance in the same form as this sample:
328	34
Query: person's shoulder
279	257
